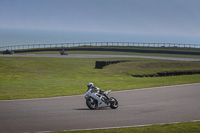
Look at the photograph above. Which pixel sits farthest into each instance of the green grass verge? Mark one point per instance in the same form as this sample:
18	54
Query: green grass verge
32	77
185	127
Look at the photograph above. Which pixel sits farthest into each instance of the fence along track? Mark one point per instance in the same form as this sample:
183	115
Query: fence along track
62	45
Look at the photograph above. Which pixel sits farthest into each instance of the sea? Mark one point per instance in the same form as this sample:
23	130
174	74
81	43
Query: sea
13	37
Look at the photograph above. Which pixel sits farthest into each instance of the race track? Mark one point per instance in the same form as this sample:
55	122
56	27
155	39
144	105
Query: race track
100	56
157	105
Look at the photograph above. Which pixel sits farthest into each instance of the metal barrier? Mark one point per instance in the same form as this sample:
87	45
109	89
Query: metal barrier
62	45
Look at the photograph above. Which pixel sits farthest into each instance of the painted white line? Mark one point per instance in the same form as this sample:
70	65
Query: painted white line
111	92
159	87
133	126
122	126
42	98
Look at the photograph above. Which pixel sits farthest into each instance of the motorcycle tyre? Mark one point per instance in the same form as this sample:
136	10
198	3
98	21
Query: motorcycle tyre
114	105
88	103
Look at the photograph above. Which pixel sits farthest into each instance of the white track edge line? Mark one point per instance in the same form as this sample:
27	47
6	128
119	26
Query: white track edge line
119	126
159	87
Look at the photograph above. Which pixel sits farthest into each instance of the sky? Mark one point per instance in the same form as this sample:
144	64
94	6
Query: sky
147	17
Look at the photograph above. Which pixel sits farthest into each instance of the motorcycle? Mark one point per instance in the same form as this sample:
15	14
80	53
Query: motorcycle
63	52
95	100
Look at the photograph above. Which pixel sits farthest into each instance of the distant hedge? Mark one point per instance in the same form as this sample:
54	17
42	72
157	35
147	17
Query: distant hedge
101	64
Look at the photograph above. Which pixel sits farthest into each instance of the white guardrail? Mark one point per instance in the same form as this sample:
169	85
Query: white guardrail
63	45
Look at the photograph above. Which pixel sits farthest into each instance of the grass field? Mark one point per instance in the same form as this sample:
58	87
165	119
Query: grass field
29	77
185	127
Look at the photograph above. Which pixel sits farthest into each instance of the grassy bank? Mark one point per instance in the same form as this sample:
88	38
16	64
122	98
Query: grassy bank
29	77
185	127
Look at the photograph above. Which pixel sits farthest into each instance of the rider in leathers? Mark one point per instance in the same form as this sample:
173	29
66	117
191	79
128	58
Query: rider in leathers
96	89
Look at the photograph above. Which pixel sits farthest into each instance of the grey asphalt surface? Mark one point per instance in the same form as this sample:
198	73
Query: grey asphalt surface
99	56
157	105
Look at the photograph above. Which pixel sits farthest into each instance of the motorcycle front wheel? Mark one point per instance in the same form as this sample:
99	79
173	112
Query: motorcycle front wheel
91	104
113	103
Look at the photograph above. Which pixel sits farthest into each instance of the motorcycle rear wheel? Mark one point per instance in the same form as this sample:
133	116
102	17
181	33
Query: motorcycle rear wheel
113	103
90	105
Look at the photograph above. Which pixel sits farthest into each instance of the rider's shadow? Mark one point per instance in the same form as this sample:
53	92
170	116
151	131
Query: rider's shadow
82	109
94	109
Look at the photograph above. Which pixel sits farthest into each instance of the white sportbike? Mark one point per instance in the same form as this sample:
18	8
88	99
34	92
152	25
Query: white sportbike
95	100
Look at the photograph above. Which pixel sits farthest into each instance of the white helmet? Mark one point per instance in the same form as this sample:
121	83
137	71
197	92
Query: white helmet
90	85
